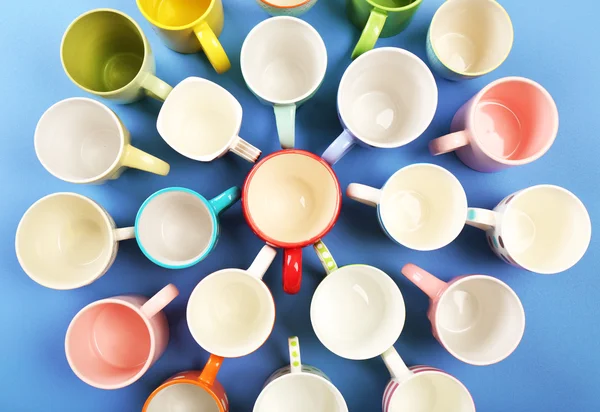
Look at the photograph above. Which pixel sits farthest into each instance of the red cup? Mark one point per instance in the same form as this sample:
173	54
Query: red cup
291	199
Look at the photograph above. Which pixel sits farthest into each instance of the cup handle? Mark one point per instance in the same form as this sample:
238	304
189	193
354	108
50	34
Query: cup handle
339	147
325	257
158	302
245	150
449	143
481	218
125	233
262	262
211	369
225	200
364	194
212	48
156	88
428	283
370	33
138	159
395	365
295	358
292	270
285	119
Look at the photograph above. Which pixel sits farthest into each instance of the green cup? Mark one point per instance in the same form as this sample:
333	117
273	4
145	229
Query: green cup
105	53
377	18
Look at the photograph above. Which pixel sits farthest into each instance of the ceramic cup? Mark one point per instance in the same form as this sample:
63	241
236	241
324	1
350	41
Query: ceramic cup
80	140
177	227
291	199
231	312
202	121
111	343
422	388
510	122
105	52
468	38
357	311
477	318
283	62
544	229
421	206
299	388
386	99
191	391
66	241
189	26
379	18
294	8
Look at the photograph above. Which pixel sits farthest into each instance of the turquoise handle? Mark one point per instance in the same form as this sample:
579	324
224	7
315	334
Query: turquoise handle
285	118
225	200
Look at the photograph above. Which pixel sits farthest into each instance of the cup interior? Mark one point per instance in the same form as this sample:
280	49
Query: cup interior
546	229
283	60
431	391
231	313
285	3
291	197
183	397
358	312
109	344
300	392
471	37
387	97
64	241
199	119
480	320
515	120
176	228
103	51
174	13
423	207
79	140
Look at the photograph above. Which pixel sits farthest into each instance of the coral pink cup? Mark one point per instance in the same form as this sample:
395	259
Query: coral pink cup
510	122
112	342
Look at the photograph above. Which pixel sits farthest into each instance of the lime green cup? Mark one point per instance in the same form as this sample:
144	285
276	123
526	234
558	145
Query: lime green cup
105	52
379	18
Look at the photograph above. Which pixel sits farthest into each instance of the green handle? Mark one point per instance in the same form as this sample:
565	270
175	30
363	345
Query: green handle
370	33
285	118
325	257
156	88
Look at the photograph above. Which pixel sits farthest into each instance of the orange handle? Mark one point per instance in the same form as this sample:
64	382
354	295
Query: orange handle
210	371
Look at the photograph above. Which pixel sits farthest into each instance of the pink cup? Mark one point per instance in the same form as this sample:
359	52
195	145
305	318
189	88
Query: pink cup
112	342
510	122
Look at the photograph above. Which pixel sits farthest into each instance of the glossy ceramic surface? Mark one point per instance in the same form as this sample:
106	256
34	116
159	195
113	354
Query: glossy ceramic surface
293	8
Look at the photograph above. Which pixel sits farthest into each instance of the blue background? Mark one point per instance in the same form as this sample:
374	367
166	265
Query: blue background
554	369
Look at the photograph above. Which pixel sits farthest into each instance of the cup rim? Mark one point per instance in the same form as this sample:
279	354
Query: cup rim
252	223
172	382
293	6
115	120
108	224
136	77
414	3
467	73
176	28
150	329
197	259
273	20
458	281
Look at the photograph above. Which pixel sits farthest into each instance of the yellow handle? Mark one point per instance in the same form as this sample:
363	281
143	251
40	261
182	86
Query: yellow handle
133	157
212	47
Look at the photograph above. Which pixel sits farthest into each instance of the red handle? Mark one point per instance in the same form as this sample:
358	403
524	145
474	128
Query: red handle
292	270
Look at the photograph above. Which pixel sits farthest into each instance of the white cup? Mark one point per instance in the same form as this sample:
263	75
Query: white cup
283	62
80	140
421	206
66	241
231	312
201	120
357	311
299	388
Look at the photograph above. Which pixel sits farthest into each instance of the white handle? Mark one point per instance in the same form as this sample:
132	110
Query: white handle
396	365
262	262
245	150
482	218
124	233
295	359
364	194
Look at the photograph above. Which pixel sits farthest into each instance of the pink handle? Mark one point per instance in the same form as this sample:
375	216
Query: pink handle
449	143
158	302
424	280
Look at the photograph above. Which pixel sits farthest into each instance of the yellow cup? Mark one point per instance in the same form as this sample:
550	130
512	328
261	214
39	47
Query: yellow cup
188	26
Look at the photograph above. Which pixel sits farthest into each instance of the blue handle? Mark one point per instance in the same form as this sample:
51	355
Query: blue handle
225	200
339	148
